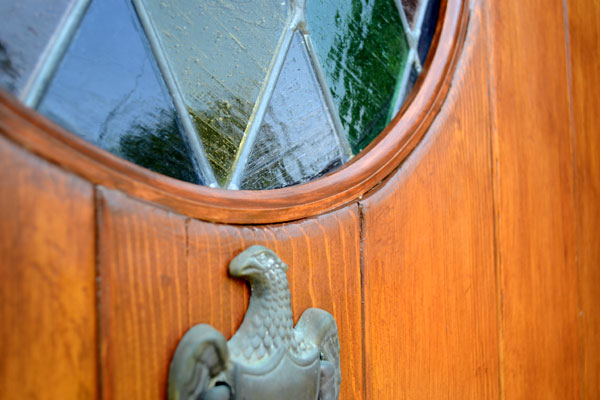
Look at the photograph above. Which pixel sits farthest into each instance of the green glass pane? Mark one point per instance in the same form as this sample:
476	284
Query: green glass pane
363	50
109	91
297	141
219	53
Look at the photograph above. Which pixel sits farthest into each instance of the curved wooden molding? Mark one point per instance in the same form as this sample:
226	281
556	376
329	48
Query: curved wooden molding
371	166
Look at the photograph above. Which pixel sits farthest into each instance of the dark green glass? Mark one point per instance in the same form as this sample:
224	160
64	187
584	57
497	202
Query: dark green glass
363	49
219	53
297	141
108	90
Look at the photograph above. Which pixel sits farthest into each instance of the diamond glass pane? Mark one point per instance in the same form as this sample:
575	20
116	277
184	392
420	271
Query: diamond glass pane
26	30
413	75
363	49
219	53
428	28
109	91
411	10
297	141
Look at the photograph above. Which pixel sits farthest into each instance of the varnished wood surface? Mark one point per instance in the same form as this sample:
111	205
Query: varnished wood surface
47	280
324	271
584	30
162	273
366	170
535	211
430	302
144	302
479	258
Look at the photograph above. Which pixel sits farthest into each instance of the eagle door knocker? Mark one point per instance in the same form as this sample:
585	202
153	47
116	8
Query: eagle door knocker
267	358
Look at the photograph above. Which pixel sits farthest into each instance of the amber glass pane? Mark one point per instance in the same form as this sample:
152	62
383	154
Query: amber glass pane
109	91
219	52
296	142
363	49
26	29
411	9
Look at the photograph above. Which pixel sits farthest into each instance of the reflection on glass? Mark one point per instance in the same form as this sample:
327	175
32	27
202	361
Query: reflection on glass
296	142
428	28
26	30
363	50
219	53
108	90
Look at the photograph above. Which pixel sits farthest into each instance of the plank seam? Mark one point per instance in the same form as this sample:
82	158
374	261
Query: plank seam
495	194
98	281
569	73
361	232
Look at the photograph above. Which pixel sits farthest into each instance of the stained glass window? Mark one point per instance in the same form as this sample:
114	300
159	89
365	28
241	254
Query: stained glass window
240	95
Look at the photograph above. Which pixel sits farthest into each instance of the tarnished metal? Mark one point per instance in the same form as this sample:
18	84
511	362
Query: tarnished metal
267	358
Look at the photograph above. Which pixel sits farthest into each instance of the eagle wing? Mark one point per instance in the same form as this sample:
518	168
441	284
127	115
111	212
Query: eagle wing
318	327
200	356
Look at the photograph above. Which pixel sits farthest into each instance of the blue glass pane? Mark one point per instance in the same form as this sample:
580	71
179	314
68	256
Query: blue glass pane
108	90
363	49
428	28
297	141
219	53
25	32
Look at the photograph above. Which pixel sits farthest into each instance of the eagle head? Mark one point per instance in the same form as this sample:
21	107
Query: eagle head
257	264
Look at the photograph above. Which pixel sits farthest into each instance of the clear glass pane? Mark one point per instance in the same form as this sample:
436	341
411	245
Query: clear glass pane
428	28
108	90
219	52
25	32
296	142
363	49
411	10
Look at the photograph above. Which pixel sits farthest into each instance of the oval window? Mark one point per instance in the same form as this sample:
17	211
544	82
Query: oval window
235	94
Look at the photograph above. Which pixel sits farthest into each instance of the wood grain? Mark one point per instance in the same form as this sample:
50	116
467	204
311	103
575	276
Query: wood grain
161	274
535	219
584	29
323	258
47	280
366	170
143	299
430	303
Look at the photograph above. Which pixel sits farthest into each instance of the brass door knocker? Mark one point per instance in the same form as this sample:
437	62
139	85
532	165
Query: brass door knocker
267	358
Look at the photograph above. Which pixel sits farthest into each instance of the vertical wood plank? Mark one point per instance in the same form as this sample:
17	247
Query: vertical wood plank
47	280
430	303
143	298
535	220
584	29
161	274
323	258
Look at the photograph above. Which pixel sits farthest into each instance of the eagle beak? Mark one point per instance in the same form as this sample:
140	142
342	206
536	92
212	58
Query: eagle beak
245	263
242	267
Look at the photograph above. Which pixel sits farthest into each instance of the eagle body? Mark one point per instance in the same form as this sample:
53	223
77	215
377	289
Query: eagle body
268	353
267	358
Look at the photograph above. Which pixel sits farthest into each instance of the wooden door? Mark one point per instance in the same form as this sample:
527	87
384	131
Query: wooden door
470	269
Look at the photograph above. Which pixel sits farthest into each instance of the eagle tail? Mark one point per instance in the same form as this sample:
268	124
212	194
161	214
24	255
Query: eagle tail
200	357
319	327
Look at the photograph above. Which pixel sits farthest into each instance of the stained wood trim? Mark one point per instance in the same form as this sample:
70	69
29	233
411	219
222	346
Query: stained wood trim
383	156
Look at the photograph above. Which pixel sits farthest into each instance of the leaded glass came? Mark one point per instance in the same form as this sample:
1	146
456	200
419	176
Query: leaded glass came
240	95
